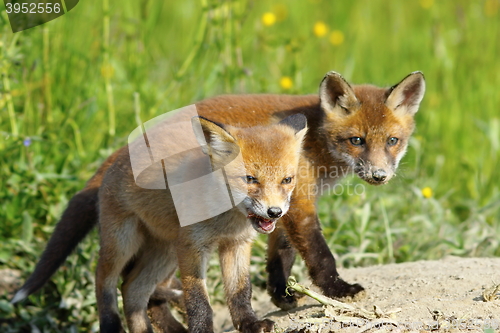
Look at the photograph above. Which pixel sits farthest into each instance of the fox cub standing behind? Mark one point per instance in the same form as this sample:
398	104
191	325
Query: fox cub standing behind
142	224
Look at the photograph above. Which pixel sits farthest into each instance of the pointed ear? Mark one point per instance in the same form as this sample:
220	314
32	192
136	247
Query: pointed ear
212	137
336	95
298	122
407	94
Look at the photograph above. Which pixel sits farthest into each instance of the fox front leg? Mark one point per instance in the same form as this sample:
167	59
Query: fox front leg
193	261
304	233
235	259
280	258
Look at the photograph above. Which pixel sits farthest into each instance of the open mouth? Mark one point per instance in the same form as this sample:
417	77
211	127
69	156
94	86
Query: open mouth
261	224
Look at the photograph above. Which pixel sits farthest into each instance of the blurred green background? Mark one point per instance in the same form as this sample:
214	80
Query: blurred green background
73	89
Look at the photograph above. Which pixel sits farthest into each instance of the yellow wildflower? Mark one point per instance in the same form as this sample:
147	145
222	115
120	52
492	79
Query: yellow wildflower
268	19
426	4
427	192
320	29
336	37
286	82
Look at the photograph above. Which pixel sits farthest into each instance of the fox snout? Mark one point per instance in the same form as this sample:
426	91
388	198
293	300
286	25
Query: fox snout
267	212
263	217
274	212
374	175
379	175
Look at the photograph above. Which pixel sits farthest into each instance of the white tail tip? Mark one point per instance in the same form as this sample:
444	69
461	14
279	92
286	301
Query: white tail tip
19	296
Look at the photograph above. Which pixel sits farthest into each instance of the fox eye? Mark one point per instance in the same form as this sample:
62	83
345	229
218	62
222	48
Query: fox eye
287	180
357	141
392	141
251	180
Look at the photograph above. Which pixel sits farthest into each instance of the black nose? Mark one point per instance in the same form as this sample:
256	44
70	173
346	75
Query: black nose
274	212
379	175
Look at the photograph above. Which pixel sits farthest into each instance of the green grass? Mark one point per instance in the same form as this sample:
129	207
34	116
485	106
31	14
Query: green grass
70	86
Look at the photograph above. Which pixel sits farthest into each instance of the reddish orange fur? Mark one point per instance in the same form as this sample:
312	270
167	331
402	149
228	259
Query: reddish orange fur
340	113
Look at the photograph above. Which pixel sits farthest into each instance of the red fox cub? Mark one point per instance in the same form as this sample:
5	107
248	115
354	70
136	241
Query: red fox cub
361	129
143	224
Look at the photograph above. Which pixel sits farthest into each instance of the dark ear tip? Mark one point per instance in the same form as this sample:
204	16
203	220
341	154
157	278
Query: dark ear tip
297	121
198	118
300	118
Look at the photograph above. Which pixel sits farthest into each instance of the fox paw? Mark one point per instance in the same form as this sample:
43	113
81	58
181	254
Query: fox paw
284	302
343	290
261	326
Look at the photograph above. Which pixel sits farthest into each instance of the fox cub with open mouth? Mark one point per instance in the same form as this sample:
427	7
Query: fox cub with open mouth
259	166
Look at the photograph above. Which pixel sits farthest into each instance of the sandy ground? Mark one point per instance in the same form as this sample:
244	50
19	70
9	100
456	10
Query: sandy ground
442	295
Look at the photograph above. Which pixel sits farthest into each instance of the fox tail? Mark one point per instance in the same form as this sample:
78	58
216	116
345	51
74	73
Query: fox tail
76	222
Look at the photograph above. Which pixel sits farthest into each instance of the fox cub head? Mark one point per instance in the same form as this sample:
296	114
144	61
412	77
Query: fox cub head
368	128
259	163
